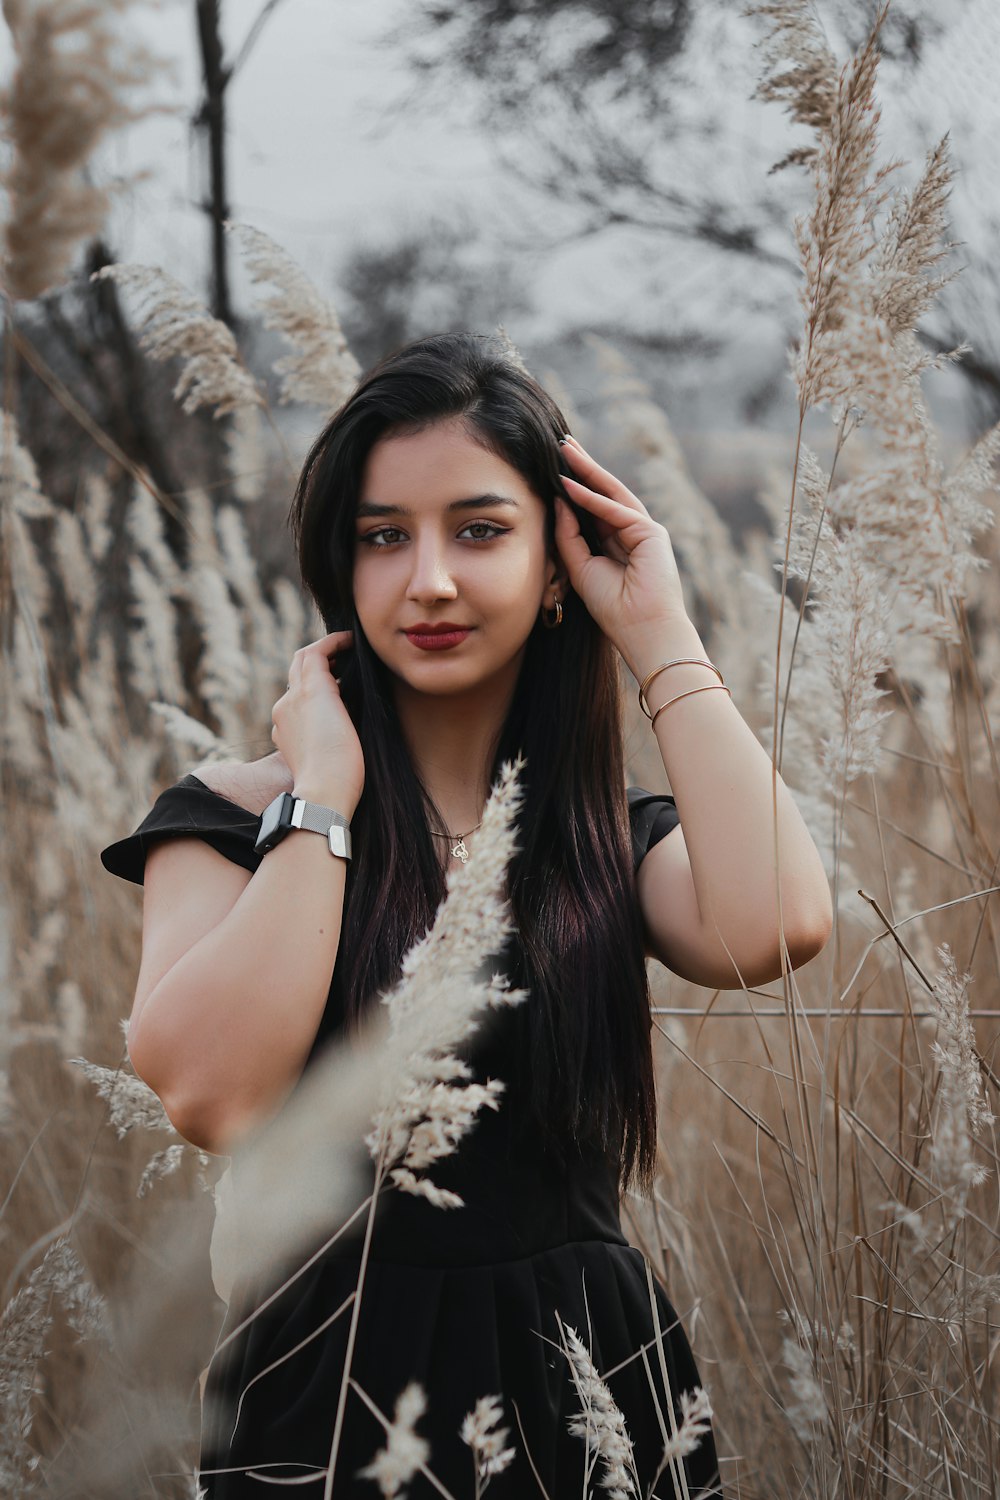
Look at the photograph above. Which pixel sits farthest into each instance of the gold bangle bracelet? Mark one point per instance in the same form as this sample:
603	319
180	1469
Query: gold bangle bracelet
710	687
698	661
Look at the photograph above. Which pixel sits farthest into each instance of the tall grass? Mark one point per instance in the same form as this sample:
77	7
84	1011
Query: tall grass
825	1215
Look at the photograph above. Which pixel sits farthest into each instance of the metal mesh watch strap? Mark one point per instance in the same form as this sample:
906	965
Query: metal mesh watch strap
318	819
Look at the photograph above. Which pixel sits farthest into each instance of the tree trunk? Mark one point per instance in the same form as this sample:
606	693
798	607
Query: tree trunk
211	120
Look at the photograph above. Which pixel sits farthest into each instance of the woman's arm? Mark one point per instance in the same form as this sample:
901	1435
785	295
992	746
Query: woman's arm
711	884
710	895
235	974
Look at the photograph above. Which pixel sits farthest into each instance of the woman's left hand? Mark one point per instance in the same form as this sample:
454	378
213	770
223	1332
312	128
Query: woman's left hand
635	588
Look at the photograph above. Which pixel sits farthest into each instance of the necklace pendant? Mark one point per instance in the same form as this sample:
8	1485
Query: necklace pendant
460	851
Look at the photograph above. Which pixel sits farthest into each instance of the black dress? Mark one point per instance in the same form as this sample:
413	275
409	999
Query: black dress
461	1300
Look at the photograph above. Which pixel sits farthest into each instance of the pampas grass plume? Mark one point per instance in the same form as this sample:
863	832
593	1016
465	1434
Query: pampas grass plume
405	1450
75	66
175	325
599	1421
323	370
486	1439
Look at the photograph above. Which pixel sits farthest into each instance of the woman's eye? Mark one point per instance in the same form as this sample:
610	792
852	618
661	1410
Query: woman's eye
377	539
372	539
491	530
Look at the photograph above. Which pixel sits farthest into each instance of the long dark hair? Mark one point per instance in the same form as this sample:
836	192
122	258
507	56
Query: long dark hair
579	948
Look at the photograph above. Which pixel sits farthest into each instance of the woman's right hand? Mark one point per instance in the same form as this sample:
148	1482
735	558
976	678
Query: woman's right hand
312	728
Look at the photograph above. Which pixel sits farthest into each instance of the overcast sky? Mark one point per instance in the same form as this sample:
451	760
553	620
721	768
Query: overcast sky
316	161
319	158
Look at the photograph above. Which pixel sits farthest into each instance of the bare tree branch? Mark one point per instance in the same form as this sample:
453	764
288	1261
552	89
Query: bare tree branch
266	11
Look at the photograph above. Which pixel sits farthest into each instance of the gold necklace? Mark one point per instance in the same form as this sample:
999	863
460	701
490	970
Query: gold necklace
459	850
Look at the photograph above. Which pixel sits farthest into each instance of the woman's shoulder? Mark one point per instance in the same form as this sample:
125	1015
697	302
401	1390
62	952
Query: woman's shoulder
252	784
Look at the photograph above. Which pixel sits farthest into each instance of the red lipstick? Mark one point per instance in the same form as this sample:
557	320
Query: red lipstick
437	637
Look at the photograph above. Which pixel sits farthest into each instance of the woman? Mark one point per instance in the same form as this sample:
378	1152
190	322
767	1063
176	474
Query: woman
481	578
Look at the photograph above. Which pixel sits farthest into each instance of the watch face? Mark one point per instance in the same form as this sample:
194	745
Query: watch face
275	822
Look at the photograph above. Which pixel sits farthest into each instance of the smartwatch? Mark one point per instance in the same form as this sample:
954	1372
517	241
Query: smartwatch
288	812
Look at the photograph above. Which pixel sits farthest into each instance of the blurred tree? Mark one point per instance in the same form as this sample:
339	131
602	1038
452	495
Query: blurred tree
626	42
616	110
578	95
427	280
555	70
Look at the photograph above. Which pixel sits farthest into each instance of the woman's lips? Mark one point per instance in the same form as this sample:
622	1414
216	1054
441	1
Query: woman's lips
440	641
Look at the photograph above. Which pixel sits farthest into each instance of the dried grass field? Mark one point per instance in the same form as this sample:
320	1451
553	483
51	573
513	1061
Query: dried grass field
826	1208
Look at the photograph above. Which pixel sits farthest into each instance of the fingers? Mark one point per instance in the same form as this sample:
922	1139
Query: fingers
598	479
316	651
319	651
614	510
615	522
573	545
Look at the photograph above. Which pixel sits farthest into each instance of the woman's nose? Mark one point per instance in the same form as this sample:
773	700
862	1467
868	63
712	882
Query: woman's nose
430	576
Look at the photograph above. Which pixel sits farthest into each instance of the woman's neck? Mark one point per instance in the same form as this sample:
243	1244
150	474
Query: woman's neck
451	741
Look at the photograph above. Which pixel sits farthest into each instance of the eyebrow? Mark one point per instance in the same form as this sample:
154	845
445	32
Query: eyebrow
488	501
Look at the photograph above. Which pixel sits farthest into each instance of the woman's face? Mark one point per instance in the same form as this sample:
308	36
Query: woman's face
421	558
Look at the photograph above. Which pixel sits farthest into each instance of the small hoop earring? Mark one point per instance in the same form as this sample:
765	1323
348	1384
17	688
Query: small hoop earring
552	624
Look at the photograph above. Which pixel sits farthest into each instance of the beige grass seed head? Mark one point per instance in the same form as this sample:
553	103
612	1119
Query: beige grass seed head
176	325
322	371
405	1450
75	74
480	1430
599	1420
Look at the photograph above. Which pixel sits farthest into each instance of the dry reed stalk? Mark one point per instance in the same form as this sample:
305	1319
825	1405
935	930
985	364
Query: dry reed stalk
103	770
246	454
875	552
410	1452
660	476
24	581
422	1115
102	774
599	1422
856	1192
132	1105
481	1431
76	68
24	1325
323	371
441	969
405	1451
176	325
387	1077
510	349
